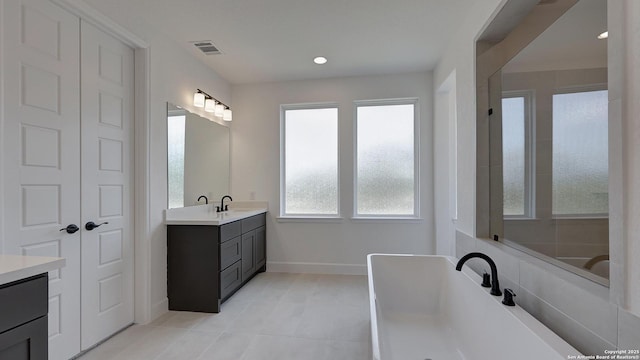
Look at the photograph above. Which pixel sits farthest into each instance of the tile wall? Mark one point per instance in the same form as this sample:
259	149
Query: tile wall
575	308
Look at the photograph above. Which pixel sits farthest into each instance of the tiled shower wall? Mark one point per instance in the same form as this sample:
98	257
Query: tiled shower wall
576	309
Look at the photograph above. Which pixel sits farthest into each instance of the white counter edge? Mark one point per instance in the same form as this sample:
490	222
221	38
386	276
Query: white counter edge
17	267
208	219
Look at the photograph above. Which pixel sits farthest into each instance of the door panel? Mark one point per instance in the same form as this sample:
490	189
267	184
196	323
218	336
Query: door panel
248	255
40	134
260	247
107	174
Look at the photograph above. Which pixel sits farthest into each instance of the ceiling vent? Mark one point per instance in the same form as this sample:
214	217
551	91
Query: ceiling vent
207	47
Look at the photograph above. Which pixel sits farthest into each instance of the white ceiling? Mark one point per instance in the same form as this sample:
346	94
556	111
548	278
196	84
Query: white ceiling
569	43
276	40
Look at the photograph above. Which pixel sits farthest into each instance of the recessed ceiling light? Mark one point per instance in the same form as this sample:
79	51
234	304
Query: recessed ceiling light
604	35
320	60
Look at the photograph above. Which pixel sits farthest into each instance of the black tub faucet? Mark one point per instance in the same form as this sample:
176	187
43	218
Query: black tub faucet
495	285
222	206
206	201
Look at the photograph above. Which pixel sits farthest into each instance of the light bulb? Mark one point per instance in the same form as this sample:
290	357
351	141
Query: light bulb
219	112
320	60
209	105
227	115
198	99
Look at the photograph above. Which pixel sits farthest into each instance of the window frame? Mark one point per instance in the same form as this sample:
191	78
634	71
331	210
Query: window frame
416	157
529	153
573	90
283	166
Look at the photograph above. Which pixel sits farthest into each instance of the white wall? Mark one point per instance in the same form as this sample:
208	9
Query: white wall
444	159
255	173
175	75
584	313
631	130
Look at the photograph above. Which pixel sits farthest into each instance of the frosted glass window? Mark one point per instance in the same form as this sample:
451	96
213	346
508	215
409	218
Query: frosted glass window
385	160
580	153
175	158
311	161
513	155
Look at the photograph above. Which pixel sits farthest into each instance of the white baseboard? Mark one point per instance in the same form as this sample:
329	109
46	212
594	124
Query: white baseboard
316	268
158	309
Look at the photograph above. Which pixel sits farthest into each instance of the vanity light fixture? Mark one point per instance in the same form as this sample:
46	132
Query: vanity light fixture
212	105
320	60
604	35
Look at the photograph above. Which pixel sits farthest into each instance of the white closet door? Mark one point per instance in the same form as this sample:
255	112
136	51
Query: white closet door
107	178
41	161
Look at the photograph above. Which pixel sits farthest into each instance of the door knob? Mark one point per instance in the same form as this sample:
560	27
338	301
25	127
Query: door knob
70	229
91	225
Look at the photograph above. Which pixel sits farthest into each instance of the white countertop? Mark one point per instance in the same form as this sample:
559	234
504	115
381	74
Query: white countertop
207	215
16	267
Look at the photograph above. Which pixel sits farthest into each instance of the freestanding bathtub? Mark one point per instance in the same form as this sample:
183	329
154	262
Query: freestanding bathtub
422	308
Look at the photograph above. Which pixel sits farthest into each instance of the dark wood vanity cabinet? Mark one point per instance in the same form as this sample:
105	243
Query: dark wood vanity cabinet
23	319
253	251
206	264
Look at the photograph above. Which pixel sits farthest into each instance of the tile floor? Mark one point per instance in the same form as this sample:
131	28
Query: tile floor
275	316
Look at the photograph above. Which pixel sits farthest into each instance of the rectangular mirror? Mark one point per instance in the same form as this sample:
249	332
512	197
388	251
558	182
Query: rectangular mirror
197	158
551	122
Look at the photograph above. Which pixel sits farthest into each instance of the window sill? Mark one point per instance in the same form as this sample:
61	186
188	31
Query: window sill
309	219
374	219
338	219
579	217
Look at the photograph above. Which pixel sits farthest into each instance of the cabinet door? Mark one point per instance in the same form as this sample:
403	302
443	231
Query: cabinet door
26	342
248	254
260	247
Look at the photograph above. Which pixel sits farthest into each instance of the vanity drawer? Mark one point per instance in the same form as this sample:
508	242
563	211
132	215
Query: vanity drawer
22	301
230	252
253	222
230	230
230	279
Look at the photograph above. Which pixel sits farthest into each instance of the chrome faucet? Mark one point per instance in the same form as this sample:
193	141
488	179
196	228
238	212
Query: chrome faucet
222	206
495	285
206	201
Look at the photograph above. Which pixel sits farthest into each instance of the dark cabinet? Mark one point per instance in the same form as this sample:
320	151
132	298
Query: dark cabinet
248	258
206	264
253	251
230	252
23	319
260	248
230	280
